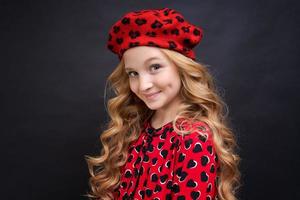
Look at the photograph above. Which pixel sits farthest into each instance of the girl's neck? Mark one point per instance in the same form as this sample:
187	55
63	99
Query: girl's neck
157	123
163	116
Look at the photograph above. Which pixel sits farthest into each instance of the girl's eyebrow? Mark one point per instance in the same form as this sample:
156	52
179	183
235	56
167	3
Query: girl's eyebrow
146	61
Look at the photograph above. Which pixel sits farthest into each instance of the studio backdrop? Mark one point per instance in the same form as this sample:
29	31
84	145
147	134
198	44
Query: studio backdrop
54	66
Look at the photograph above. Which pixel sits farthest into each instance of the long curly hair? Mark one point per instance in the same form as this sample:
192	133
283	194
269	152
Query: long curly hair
201	102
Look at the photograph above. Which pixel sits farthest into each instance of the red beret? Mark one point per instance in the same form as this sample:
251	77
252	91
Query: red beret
165	28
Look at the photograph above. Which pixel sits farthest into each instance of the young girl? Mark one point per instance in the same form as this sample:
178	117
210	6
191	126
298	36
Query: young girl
168	137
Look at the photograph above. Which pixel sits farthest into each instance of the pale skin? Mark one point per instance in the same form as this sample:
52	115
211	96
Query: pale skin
158	76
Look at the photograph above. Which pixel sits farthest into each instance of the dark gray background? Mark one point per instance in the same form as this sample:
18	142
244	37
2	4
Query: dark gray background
54	63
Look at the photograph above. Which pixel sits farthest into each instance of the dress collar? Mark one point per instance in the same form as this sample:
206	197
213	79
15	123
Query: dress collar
154	132
181	124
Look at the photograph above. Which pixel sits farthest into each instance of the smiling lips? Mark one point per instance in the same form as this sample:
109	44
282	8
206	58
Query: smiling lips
152	95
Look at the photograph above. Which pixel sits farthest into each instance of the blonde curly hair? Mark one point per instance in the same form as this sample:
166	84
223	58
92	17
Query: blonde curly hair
201	102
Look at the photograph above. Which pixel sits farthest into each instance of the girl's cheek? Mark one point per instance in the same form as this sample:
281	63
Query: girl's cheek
133	86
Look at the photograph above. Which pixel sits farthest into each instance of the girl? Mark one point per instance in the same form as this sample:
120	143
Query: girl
168	136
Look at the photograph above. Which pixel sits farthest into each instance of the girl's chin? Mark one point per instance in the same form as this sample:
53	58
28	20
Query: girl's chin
154	105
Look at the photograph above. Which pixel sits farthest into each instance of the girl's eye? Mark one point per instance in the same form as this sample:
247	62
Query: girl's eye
131	73
155	66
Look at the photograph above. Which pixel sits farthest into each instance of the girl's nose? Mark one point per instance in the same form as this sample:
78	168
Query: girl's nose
145	83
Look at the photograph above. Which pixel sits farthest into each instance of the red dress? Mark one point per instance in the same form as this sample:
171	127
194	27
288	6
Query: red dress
164	165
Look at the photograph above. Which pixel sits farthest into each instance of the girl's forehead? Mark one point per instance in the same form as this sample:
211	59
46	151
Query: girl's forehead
141	55
142	52
136	65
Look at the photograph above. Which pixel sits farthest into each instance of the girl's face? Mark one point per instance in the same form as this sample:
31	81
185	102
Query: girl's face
153	77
